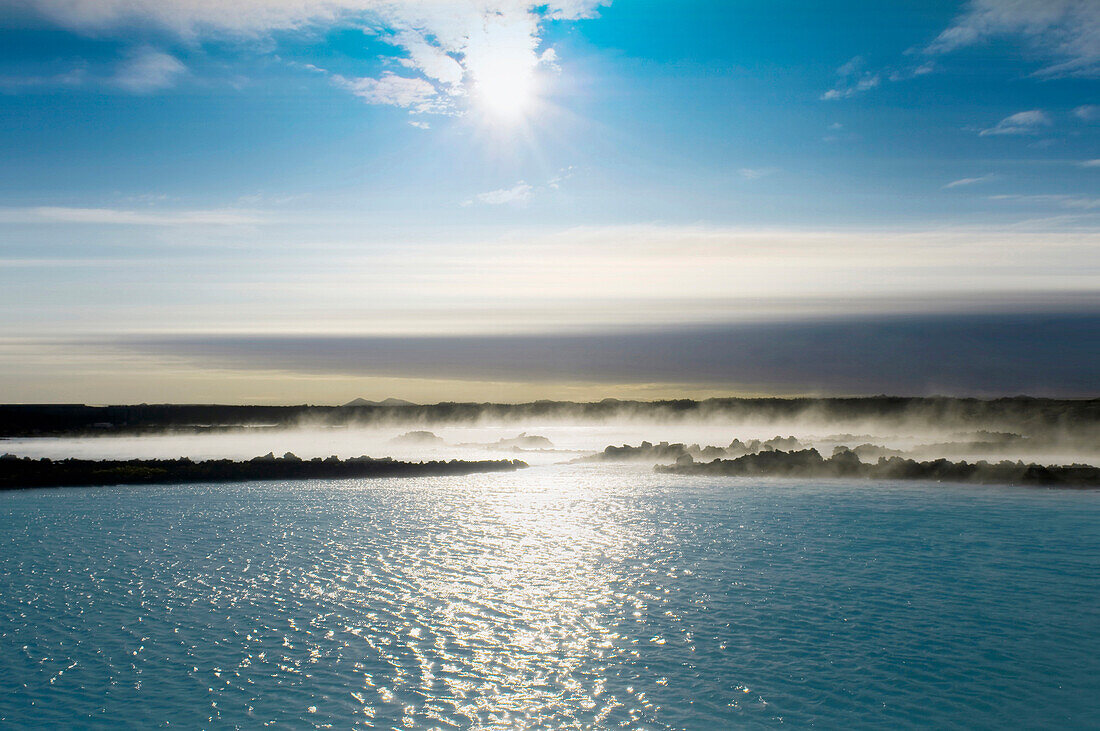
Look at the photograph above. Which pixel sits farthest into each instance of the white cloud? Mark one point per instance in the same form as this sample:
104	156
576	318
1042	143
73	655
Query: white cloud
148	70
1089	163
419	125
970	181
518	195
114	216
555	182
190	17
853	80
1065	31
1021	123
400	91
430	60
522	192
549	59
1087	112
452	43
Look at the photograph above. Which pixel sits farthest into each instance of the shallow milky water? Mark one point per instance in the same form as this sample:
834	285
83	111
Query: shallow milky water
561	596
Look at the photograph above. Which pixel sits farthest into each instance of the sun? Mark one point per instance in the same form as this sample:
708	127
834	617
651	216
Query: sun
505	91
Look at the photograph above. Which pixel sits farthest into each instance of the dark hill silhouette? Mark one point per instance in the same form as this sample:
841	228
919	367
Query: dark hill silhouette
1038	419
385	402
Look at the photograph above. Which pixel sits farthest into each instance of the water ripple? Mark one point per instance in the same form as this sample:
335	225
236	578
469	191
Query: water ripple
563	597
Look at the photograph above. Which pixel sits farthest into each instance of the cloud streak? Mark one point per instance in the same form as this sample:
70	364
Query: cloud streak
1065	31
853	79
142	70
521	193
756	173
970	181
1088	112
148	70
1072	202
1022	123
518	195
120	217
987	354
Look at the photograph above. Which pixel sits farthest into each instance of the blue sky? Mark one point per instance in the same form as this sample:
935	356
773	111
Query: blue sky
495	167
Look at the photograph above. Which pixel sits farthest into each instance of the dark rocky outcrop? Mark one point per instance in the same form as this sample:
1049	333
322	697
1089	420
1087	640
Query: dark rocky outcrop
871	452
523	441
664	451
418	439
845	463
24	472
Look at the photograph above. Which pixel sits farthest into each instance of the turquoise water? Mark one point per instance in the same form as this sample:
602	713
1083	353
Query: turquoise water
590	597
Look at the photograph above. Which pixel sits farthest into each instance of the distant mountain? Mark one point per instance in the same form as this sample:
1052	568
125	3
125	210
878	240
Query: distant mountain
387	402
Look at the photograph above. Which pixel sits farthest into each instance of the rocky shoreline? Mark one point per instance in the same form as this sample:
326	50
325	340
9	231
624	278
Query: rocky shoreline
845	463
18	473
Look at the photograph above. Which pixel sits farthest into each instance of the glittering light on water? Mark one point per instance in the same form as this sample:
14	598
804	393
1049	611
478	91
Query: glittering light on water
561	596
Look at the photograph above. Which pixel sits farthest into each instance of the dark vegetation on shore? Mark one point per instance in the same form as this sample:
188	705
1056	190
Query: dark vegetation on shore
649	452
18	472
1031	416
845	463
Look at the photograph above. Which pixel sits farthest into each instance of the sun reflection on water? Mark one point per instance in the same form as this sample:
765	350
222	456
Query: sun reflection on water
502	606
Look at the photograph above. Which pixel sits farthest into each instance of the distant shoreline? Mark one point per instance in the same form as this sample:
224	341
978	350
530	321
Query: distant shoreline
1005	414
17	473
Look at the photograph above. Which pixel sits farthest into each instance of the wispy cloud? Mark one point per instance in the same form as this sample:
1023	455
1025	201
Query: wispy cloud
1022	123
970	181
449	46
1088	112
756	173
912	72
74	77
115	216
518	195
521	193
837	132
853	79
555	182
558	278
142	70
1090	163
1065	31
1074	202
148	70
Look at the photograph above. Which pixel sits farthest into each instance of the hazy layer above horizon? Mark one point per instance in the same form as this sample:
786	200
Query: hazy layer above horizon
286	201
1051	354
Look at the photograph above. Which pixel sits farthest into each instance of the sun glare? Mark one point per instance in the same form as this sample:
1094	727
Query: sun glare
506	92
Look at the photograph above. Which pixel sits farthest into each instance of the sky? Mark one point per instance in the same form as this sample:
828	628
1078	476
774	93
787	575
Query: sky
288	201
